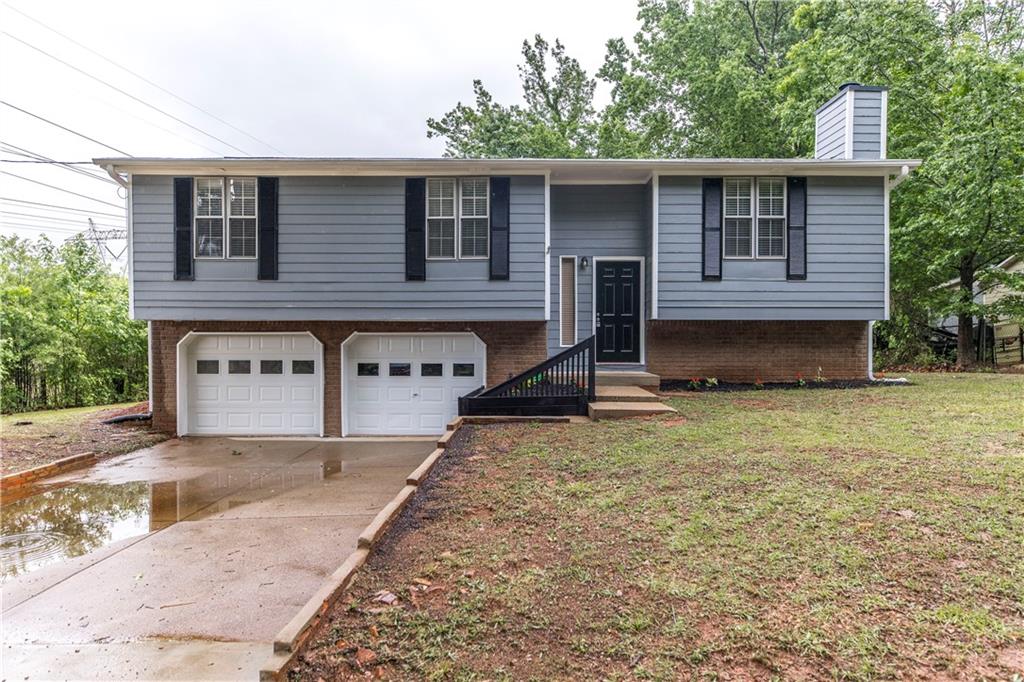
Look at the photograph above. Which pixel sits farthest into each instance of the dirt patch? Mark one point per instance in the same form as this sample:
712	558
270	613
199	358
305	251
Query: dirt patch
36	438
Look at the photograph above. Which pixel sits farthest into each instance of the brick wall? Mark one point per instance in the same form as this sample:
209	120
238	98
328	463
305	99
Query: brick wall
746	350
511	348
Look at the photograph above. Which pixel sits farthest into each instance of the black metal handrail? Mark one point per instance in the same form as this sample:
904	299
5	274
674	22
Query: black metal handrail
563	384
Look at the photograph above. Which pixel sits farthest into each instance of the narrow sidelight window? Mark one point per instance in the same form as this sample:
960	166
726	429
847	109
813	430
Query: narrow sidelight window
209	217
567	301
474	221
771	218
739	218
242	218
441	218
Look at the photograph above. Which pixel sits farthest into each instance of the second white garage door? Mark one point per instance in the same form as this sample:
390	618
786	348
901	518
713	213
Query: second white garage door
408	384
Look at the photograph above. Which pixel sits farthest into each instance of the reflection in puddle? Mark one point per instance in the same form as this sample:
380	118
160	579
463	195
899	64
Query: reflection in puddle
69	520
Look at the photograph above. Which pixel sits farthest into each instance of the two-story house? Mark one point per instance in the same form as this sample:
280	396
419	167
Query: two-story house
343	296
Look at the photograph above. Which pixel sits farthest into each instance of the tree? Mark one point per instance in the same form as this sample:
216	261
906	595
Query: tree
956	78
65	336
557	120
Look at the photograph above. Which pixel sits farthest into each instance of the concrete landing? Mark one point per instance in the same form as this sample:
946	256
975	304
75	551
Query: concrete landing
613	410
628	378
627	394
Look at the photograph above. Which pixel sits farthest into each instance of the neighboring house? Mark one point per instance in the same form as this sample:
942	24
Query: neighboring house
364	296
999	341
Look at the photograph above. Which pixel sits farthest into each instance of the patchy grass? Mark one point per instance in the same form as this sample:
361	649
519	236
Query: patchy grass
54	434
830	534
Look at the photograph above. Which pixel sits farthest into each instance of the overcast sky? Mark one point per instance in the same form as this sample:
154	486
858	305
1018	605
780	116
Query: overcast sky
300	78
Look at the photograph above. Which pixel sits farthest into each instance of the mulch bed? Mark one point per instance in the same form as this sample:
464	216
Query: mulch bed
683	385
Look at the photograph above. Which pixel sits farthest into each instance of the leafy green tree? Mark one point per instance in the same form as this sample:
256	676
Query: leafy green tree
65	336
557	120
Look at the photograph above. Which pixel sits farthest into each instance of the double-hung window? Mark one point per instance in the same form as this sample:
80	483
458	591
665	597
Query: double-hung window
458	218
236	214
755	218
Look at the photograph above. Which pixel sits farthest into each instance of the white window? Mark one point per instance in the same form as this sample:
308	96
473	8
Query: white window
209	218
771	218
474	222
441	218
755	218
739	218
458	218
242	218
238	212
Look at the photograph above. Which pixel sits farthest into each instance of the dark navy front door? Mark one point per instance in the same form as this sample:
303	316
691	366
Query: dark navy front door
618	311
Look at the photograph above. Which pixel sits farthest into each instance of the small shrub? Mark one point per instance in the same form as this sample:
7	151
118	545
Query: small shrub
800	380
819	378
758	384
694	384
711	381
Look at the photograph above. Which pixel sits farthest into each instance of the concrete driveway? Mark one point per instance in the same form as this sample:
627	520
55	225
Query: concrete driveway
212	545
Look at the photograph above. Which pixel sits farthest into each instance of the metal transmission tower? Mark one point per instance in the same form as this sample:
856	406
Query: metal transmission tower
100	239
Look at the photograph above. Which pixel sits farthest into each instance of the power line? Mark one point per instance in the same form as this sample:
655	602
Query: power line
30	160
125	93
59	189
38	228
39	158
36	216
144	79
58	207
73	132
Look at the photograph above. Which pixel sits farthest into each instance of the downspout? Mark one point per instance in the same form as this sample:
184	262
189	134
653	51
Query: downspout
119	179
871	350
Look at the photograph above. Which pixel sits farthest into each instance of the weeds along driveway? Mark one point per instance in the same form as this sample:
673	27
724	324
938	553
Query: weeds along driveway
217	543
819	534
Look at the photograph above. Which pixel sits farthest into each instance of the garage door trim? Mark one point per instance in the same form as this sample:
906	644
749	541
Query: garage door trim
355	335
181	386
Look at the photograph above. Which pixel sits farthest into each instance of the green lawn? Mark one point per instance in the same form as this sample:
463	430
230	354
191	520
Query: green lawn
853	534
50	435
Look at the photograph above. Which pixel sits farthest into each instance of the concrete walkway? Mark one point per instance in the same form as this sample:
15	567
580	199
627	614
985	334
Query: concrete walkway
240	534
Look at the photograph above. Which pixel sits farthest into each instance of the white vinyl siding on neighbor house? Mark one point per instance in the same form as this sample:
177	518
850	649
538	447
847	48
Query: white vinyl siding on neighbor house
458	218
755	218
209	216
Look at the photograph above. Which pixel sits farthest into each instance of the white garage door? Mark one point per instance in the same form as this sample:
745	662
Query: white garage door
399	384
254	384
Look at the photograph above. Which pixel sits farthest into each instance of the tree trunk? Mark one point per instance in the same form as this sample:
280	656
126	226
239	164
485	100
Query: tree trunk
965	355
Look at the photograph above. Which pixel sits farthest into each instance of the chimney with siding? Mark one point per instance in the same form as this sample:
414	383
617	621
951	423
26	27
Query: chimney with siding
852	125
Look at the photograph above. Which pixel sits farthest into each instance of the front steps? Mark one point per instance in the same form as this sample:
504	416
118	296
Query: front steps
626	394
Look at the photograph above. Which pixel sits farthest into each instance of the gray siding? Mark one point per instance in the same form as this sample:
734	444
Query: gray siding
593	220
845	259
830	141
341	257
867	125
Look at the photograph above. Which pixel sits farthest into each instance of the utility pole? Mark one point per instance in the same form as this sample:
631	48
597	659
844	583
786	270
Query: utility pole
100	239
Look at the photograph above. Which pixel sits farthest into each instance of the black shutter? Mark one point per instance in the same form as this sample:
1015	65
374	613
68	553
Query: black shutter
266	190
415	229
183	229
500	189
711	232
796	232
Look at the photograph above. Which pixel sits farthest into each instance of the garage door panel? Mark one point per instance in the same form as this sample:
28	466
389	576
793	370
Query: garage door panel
269	399
415	404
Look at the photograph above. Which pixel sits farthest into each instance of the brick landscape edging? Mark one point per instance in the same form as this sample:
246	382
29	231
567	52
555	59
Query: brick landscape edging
293	635
20	478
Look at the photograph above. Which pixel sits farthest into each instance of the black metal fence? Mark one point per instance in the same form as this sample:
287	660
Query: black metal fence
561	385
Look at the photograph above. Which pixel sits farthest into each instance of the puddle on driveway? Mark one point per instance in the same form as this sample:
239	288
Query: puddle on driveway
57	522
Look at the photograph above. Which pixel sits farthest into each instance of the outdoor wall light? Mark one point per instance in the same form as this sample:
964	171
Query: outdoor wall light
584	263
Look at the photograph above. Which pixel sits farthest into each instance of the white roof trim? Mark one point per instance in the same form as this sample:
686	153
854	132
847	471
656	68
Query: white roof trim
561	170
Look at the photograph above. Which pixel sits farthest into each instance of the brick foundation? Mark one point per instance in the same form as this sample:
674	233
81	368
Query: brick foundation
747	350
512	347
